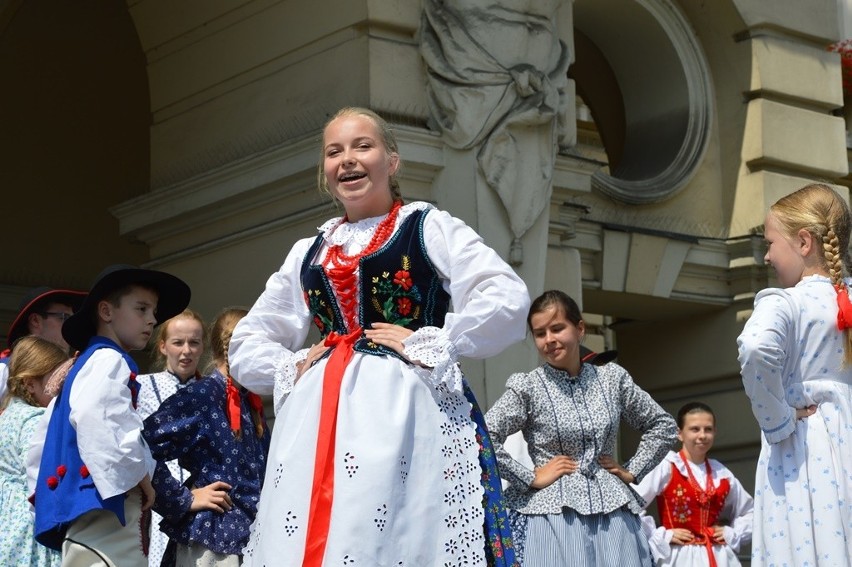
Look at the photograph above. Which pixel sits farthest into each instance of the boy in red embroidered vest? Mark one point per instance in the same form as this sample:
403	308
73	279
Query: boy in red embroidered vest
94	480
705	513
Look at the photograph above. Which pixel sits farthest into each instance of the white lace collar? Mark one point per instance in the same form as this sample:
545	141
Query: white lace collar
699	470
337	232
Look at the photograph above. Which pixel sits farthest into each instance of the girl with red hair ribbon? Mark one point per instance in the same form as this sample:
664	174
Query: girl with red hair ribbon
795	353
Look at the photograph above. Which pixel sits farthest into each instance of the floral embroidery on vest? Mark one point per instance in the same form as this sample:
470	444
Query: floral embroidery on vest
323	314
398	285
396	297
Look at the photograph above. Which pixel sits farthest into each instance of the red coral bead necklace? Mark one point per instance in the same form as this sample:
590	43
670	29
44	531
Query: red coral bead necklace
341	267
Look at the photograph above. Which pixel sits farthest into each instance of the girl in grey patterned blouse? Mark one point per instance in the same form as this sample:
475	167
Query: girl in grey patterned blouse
575	505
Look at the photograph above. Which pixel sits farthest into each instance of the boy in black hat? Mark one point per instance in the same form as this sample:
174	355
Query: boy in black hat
94	479
42	312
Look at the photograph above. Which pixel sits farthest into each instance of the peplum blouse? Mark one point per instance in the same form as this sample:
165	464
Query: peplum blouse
578	417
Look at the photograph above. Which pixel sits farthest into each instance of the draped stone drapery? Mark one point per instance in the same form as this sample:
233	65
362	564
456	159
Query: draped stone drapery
509	103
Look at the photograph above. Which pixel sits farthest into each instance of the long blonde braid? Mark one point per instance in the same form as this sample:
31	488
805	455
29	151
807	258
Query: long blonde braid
833	258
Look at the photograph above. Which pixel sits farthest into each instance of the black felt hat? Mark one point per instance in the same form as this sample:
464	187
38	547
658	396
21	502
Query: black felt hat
597	358
37	299
173	298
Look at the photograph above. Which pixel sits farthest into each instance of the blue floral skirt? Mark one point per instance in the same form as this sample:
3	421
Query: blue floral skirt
499	545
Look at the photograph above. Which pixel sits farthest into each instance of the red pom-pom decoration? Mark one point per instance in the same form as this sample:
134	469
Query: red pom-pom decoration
52	482
84	471
61	470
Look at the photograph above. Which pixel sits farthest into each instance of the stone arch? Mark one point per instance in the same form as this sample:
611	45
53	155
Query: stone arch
75	138
655	111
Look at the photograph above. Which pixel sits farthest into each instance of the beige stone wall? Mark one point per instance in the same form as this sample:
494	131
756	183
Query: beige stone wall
230	79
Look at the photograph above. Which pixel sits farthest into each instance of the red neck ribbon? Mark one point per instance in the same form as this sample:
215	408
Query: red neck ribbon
342	268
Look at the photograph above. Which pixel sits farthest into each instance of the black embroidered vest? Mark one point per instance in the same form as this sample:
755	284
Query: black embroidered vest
398	285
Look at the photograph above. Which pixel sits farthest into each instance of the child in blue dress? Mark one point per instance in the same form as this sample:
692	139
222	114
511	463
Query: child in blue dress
215	430
31	366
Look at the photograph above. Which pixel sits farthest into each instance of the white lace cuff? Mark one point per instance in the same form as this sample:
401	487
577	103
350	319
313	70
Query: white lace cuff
285	377
431	347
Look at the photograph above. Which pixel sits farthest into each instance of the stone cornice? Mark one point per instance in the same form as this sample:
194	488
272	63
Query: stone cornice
266	189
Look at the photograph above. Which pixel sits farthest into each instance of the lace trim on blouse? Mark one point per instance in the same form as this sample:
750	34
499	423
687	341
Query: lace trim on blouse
285	377
431	347
354	236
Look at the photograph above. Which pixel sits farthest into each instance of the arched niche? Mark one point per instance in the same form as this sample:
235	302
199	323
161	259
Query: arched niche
641	71
75	138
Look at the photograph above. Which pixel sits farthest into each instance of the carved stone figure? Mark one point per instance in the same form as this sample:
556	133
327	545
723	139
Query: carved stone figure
497	74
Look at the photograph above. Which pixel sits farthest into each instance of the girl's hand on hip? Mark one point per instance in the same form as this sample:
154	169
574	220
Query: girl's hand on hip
390	336
804	413
214	497
557	467
608	463
314	354
681	536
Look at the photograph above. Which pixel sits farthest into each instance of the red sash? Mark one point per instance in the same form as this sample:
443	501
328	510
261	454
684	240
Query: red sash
322	492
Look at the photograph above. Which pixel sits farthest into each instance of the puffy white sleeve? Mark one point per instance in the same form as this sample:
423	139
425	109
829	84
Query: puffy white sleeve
659	538
739	512
762	353
262	354
489	301
109	430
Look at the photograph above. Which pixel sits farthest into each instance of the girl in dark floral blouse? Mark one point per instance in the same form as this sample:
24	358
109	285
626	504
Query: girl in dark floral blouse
215	429
575	505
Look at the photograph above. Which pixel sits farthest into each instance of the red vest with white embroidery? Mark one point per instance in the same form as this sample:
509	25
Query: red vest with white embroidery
684	504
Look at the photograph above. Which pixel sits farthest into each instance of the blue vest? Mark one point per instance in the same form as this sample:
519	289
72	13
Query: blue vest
398	285
65	490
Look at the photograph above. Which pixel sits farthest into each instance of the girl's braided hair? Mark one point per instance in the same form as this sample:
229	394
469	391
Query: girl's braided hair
220	339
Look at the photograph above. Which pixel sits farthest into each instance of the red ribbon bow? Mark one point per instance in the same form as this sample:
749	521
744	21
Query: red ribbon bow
709	533
233	400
